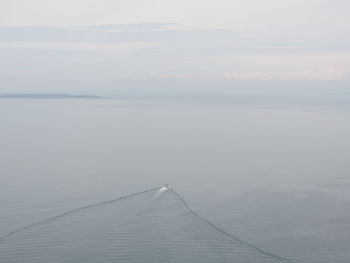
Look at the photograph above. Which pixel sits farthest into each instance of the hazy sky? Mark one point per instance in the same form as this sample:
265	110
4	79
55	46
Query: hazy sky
108	45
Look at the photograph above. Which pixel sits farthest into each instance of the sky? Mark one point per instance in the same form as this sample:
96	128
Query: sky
114	46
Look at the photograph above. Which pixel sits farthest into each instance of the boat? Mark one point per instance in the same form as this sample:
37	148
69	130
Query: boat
165	187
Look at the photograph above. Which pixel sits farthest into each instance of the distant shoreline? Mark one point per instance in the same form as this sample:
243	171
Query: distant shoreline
48	96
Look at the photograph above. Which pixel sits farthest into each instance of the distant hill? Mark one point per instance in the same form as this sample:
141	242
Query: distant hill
47	96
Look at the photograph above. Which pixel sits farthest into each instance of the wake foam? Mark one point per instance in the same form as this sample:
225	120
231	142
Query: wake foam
149	226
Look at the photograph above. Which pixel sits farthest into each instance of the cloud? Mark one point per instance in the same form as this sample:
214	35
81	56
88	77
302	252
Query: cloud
125	47
295	15
142	27
328	73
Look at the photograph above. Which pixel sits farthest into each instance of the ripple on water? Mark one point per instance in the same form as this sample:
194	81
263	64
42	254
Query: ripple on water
146	227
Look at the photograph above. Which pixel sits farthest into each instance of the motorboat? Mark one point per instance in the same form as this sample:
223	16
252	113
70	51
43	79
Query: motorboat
165	187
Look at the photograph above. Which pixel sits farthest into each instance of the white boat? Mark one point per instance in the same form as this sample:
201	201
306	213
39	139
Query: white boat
165	187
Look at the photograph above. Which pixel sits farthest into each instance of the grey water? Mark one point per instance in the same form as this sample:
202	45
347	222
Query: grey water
152	226
274	176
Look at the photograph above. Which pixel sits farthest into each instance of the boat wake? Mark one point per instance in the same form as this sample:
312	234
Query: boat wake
156	225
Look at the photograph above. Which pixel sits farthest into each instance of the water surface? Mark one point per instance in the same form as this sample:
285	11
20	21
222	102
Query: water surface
275	176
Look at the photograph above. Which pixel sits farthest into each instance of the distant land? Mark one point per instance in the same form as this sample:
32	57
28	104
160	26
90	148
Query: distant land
47	96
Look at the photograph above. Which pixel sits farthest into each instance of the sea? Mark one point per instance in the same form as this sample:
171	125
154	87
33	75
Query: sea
81	180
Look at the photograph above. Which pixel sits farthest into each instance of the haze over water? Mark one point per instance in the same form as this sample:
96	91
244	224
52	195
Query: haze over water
276	176
242	106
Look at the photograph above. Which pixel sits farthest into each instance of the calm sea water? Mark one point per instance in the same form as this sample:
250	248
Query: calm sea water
275	176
